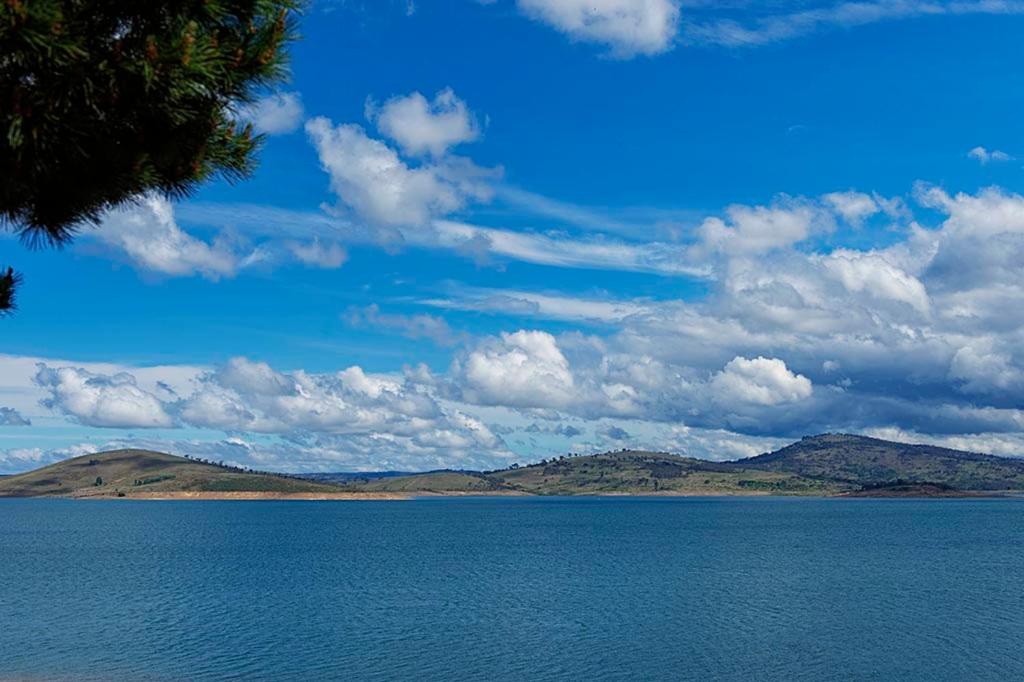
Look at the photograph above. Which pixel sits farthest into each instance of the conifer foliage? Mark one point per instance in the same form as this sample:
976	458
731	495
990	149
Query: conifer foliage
103	100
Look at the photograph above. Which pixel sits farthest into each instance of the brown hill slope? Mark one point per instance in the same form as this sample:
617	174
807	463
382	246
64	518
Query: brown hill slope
130	472
863	461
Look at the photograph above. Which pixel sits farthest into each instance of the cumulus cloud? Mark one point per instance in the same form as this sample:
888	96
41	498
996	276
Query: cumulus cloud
101	400
853	206
522	369
874	274
985	156
148	235
11	417
751	230
372	180
760	381
275	114
627	27
421	126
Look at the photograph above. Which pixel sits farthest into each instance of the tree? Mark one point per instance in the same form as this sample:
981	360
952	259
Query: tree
8	283
104	100
99	481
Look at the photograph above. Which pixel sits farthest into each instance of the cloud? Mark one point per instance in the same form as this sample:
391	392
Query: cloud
372	180
616	433
101	400
984	156
550	306
853	206
148	235
750	230
421	126
420	326
775	28
521	369
627	27
275	114
11	417
874	274
318	254
759	381
570	252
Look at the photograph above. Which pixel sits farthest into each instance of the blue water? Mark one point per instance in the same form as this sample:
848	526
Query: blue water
513	589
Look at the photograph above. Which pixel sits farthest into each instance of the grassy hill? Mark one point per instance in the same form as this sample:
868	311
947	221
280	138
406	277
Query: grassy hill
129	472
615	473
868	462
430	482
633	472
830	464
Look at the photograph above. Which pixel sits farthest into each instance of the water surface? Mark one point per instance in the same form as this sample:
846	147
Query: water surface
513	588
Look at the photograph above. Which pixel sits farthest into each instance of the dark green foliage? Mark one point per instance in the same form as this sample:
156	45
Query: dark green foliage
9	281
99	481
153	479
103	100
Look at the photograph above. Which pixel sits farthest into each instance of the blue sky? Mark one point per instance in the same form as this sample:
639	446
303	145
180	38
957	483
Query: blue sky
486	232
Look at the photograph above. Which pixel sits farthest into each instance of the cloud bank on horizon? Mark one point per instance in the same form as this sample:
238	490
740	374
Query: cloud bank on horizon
513	325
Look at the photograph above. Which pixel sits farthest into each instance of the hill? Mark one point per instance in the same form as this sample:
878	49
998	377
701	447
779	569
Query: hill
830	464
626	472
444	481
133	473
860	461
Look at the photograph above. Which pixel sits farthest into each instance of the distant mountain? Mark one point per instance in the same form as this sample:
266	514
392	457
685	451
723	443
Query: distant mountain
830	464
131	472
861	461
626	472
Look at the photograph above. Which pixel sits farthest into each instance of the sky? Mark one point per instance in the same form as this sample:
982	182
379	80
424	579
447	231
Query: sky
492	232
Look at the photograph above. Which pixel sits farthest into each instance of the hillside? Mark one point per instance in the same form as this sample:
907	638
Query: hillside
142	472
861	461
830	464
615	473
444	481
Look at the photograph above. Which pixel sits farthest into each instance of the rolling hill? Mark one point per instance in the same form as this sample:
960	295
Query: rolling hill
625	472
829	464
133	472
860	461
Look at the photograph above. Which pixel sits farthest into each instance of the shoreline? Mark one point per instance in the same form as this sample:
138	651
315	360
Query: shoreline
246	496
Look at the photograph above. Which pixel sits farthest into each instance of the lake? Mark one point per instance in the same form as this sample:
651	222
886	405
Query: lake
513	589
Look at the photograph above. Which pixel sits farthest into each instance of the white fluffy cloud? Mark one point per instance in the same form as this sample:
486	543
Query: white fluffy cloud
147	233
874	274
421	126
101	400
275	114
760	381
372	180
522	369
853	206
751	230
627	27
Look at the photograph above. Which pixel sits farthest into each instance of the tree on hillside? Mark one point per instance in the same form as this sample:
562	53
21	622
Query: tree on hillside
103	100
